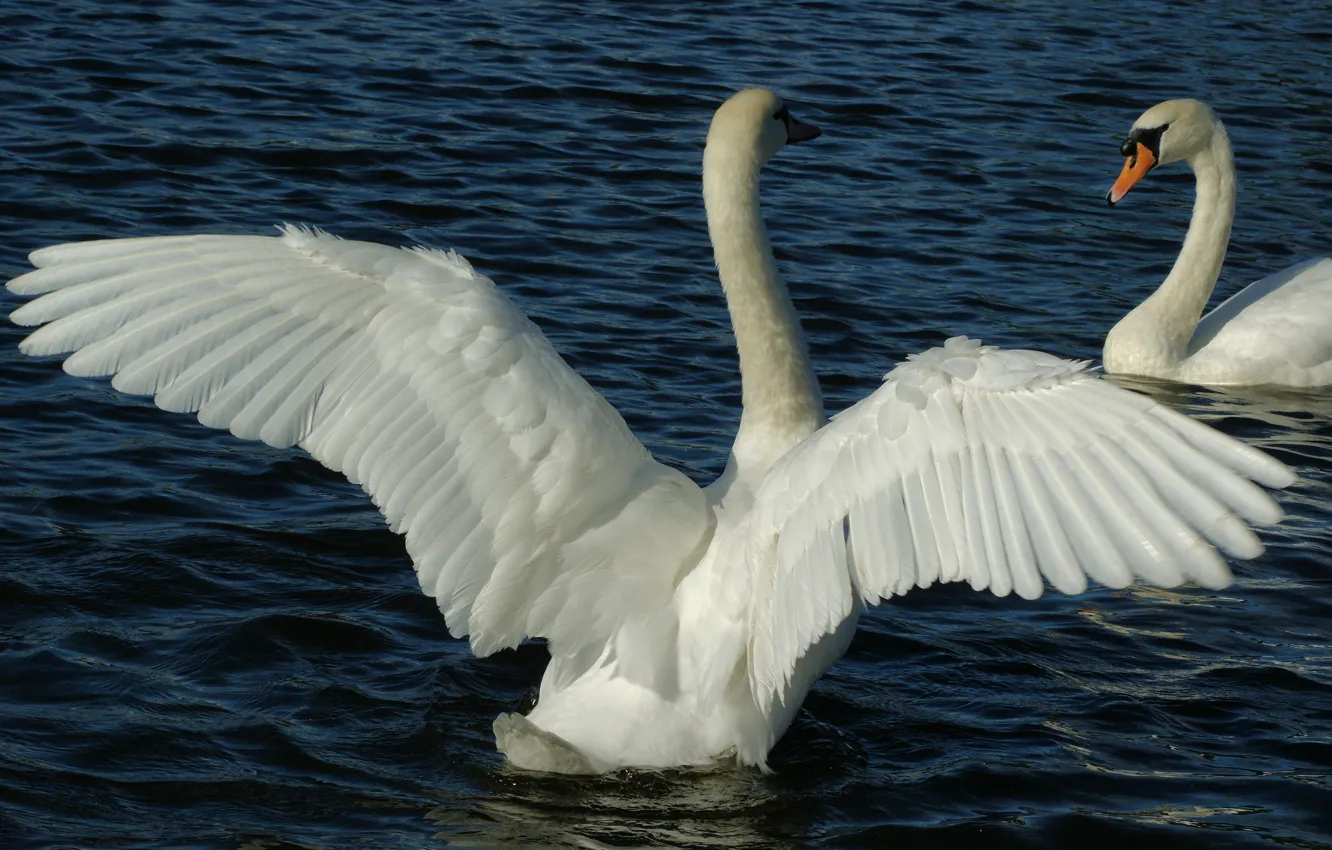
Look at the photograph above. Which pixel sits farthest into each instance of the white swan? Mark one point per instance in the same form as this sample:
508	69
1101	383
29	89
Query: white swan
684	624
1275	331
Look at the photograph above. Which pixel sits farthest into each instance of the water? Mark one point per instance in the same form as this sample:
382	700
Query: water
213	644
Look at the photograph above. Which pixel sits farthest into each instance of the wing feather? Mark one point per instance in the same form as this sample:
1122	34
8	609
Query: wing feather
1008	469
1065	478
415	377
1050	542
1018	553
224	409
162	364
922	537
990	570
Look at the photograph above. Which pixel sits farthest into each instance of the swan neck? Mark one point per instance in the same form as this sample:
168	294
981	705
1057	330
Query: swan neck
781	400
1185	291
1155	338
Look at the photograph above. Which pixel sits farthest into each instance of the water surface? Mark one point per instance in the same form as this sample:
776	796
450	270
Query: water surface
209	644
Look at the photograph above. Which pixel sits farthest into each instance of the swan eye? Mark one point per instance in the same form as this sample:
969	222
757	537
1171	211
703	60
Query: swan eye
1149	138
783	115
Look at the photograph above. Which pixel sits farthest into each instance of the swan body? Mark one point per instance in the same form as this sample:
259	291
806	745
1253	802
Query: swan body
1275	331
684	624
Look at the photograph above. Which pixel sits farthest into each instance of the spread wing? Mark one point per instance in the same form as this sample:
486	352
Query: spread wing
518	487
1004	469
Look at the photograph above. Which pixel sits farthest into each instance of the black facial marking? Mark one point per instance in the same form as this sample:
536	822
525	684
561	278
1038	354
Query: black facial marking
796	131
1148	137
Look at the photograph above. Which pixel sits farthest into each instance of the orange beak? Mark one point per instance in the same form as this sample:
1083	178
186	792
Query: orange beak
1135	168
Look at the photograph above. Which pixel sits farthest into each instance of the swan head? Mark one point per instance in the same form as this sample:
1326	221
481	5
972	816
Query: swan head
754	123
1166	133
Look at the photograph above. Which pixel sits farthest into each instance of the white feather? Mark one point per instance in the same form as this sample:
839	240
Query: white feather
1022	465
682	624
303	338
1275	331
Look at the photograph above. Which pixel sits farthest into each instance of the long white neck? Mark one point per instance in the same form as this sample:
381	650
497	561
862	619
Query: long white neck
780	392
1154	338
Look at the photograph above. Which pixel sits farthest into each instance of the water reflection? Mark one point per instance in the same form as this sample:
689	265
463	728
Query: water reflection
724	807
1283	408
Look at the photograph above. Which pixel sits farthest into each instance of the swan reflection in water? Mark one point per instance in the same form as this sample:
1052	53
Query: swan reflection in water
730	808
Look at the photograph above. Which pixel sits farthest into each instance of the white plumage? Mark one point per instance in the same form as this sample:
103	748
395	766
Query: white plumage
1003	469
1277	330
683	624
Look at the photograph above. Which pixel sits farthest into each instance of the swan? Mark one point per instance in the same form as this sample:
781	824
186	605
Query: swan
685	625
1277	330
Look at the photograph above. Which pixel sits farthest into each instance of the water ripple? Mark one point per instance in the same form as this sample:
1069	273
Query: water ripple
205	644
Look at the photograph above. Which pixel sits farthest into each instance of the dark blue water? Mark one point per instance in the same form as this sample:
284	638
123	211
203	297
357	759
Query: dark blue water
205	643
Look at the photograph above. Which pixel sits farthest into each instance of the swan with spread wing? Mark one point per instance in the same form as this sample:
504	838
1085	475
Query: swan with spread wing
684	624
1277	330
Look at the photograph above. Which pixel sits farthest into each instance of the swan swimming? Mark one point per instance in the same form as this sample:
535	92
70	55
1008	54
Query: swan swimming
1277	330
684	624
